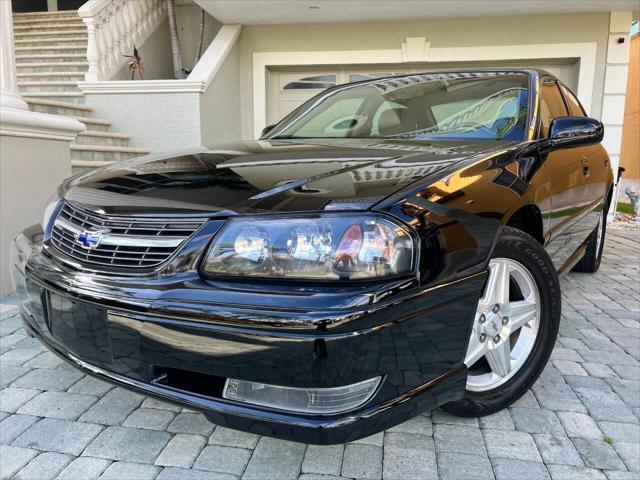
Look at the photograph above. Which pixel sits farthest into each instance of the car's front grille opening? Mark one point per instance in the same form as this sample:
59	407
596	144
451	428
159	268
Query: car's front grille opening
117	241
188	381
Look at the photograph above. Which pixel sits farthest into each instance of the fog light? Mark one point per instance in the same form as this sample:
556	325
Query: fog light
302	400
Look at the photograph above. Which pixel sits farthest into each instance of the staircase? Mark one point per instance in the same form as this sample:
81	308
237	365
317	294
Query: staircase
51	50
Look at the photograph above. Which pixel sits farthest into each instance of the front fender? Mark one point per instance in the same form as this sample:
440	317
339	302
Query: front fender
459	213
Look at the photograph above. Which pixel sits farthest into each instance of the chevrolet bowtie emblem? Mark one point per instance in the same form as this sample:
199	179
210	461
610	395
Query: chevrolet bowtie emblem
91	238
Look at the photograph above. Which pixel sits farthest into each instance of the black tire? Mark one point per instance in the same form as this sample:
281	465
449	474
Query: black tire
519	246
593	255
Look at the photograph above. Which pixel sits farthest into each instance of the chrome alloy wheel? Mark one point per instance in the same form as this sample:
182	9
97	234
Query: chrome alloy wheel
505	326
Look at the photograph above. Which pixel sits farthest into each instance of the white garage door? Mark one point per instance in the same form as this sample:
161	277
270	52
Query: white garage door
290	87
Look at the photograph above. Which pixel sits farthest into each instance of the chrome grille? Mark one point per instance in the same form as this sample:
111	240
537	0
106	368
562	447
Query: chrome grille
120	241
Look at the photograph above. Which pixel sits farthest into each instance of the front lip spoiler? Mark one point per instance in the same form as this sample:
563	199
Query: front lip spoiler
327	425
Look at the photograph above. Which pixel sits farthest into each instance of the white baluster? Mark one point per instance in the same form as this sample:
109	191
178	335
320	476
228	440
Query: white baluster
102	46
93	51
115	31
139	15
144	19
113	28
127	25
157	11
108	41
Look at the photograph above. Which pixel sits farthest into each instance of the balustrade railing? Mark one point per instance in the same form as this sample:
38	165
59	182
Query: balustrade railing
113	27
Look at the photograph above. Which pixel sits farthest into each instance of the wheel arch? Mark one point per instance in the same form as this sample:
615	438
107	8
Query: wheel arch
608	198
528	219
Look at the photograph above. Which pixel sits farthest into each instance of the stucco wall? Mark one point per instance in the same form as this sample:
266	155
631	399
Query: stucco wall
156	49
167	120
25	187
188	21
451	32
159	121
156	56
220	104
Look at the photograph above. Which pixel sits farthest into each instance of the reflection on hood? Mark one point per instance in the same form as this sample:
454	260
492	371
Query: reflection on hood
266	176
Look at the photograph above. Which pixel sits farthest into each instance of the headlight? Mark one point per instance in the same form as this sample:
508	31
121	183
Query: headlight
49	210
328	247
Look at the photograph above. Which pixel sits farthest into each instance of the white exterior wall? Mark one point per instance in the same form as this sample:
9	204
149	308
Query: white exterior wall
156	50
615	88
220	103
169	114
226	110
155	120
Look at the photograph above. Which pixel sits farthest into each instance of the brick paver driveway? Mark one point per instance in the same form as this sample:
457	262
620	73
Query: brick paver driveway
580	421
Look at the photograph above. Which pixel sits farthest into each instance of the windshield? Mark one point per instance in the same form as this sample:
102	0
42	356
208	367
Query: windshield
439	106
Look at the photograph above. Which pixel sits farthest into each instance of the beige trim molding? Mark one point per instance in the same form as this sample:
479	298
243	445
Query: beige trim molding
197	82
585	52
24	123
215	55
141	86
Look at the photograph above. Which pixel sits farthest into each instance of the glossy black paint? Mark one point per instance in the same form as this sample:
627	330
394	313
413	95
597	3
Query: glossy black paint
567	132
138	328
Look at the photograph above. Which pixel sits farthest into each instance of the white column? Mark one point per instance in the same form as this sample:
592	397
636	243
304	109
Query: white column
36	154
615	88
52	5
9	96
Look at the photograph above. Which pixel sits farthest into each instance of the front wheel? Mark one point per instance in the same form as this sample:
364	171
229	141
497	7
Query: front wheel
515	326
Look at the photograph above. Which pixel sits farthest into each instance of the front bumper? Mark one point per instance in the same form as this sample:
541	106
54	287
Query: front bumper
179	339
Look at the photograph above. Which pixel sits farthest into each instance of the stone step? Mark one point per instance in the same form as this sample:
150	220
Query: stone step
27	27
53	32
52	67
47	57
48	86
56	107
105	152
47	83
51	40
70	97
51	76
56	14
97	137
45	20
52	49
94	124
77	20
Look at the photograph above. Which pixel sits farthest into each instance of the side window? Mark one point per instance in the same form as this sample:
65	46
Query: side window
551	105
572	102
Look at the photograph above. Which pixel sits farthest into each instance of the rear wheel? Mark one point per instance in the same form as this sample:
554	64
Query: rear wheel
515	326
595	243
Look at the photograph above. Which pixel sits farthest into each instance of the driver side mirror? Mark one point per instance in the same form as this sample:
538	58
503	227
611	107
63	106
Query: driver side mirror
566	132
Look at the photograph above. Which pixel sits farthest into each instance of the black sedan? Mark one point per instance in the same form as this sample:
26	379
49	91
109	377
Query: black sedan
391	246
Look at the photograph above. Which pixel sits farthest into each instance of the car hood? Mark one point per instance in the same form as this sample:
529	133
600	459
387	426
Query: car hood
266	176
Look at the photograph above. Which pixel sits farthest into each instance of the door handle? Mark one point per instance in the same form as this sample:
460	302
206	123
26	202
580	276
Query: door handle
586	169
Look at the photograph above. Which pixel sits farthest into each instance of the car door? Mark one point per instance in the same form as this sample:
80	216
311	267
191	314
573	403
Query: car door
567	177
595	165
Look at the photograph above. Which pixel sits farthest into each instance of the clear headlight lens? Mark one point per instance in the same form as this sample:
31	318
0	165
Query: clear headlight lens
327	247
